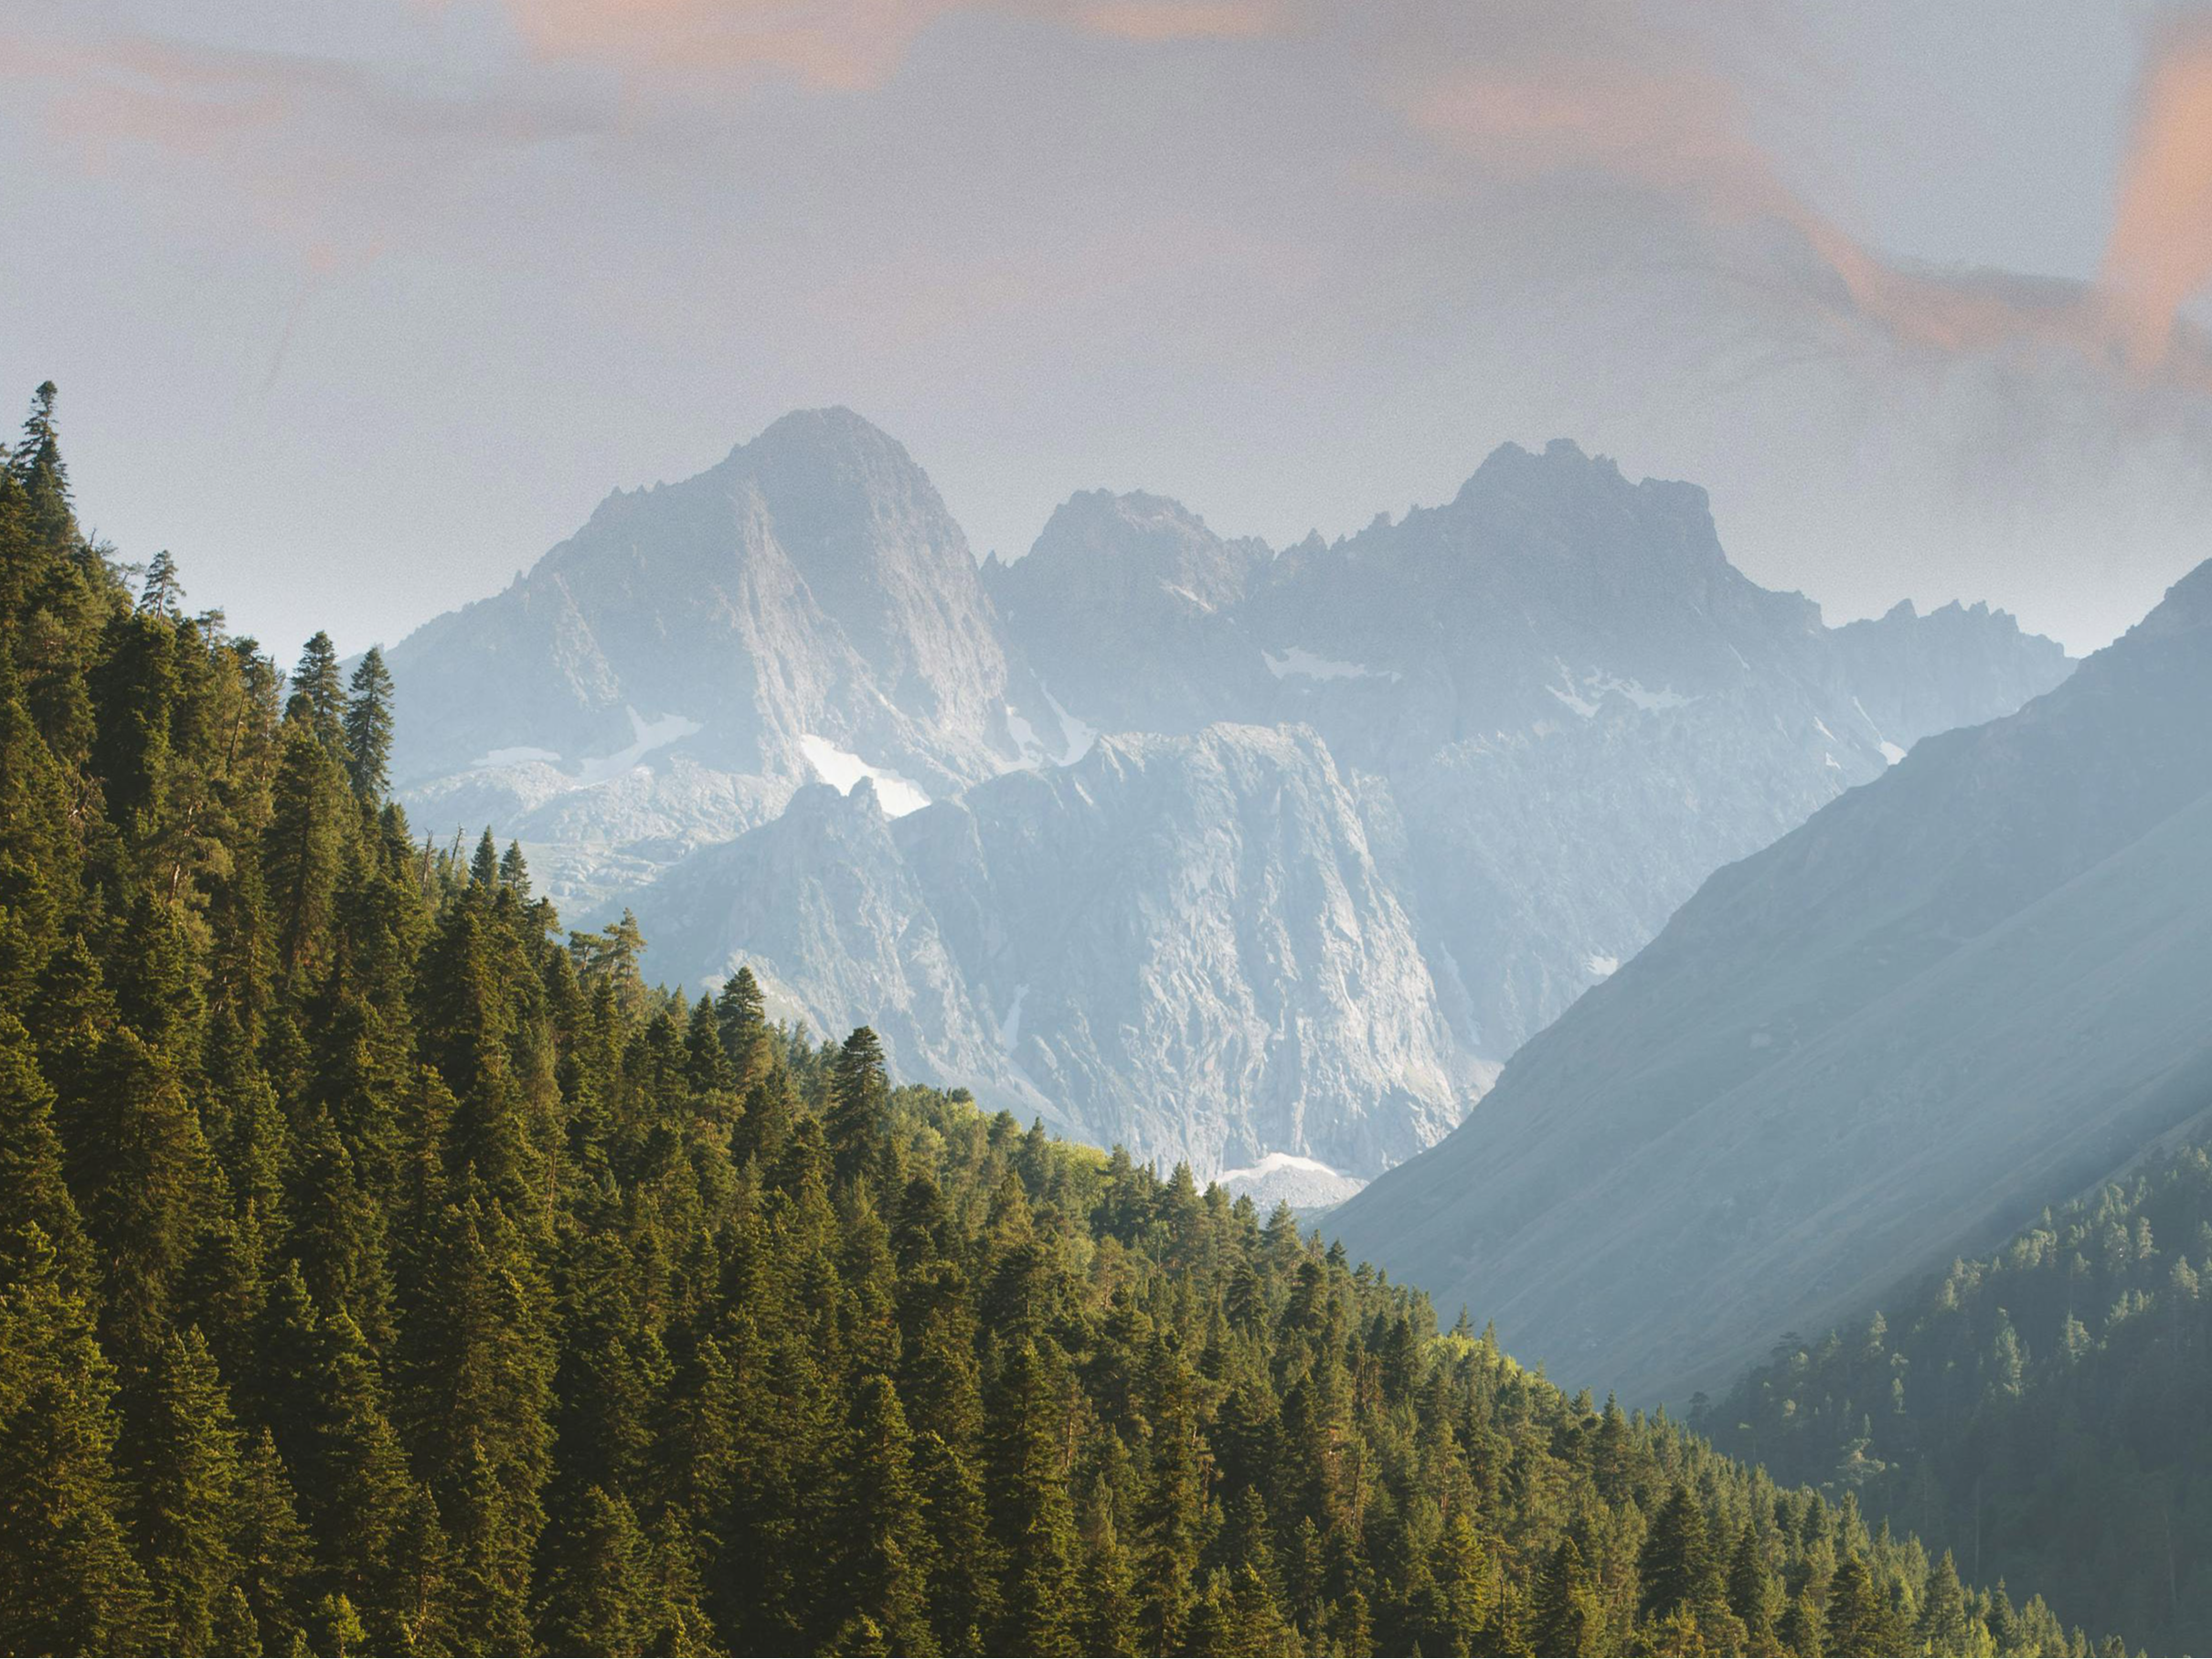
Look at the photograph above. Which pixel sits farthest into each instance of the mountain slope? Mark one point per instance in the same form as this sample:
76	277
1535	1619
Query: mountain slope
1949	997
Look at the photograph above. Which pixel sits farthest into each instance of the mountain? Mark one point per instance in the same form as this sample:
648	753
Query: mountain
1365	815
806	602
1969	989
1128	605
1574	708
1183	945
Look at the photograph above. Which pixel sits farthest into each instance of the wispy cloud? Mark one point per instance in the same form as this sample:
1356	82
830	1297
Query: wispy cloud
841	46
1640	109
2160	256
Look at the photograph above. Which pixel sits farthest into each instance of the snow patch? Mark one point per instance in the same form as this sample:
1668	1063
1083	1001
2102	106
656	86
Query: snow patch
1294	662
1010	1028
1604	967
1648	701
1830	761
1076	737
645	736
1025	735
1892	753
1276	1162
522	754
1597	683
1198	603
841	770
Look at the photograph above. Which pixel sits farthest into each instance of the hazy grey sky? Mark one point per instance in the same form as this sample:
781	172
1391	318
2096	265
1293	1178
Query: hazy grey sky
359	308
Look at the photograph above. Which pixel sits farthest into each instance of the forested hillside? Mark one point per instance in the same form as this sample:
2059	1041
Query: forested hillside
2039	1410
383	1268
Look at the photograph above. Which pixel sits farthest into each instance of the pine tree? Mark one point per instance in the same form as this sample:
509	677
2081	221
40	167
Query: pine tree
1857	1613
162	595
856	1102
272	1548
744	1026
1030	1512
600	1589
881	1538
316	679
32	1192
367	726
1752	1592
1674	1560
1566	1617
38	469
186	1494
140	1174
1943	1626
963	1559
68	1581
301	848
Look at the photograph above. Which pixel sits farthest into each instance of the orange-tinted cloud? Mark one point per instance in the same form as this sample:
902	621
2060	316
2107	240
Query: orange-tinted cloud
839	45
334	160
830	44
2160	255
1184	19
1655	116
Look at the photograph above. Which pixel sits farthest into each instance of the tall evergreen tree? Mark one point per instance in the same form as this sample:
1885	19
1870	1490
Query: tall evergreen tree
367	726
1564	1619
316	678
857	1095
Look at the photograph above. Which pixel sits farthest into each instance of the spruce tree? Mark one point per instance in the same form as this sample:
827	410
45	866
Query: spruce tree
367	726
187	1489
857	1092
1564	1618
880	1535
315	678
69	1583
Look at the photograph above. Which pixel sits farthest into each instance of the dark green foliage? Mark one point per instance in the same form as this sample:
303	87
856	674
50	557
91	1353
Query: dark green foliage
384	1269
2037	1414
367	726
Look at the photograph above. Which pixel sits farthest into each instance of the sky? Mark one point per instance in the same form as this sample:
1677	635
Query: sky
358	309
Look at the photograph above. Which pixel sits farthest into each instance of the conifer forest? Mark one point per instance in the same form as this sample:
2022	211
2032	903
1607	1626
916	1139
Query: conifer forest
386	1268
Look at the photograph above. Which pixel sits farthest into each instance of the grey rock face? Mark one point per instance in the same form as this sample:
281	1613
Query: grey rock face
1366	816
1181	945
1964	990
1570	704
811	585
1127	608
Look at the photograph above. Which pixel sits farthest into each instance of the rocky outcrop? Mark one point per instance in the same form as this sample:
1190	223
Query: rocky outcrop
1181	945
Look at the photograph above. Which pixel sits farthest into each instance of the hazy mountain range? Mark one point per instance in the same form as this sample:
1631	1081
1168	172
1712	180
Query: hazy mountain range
1975	987
1264	859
